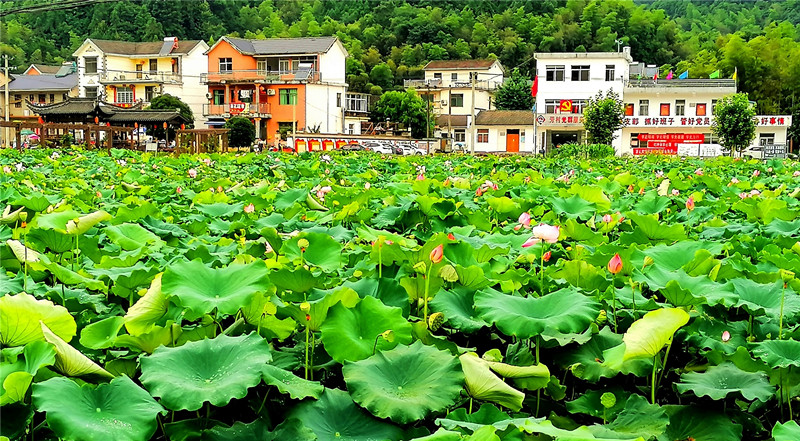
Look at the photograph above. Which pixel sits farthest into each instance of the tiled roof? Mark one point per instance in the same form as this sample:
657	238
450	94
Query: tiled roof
44	68
145	116
455	120
73	106
42	82
504	118
283	46
142	48
459	64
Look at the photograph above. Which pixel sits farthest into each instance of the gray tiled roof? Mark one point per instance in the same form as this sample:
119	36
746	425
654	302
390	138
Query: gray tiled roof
504	118
42	82
283	46
142	48
45	68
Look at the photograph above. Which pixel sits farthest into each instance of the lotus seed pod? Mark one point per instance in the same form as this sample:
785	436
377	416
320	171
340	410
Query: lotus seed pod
305	307
608	400
602	318
786	275
435	321
388	335
648	261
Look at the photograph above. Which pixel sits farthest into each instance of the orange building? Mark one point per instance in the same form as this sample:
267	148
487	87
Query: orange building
277	83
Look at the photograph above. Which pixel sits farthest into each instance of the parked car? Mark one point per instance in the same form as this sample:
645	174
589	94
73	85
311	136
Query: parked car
409	150
756	152
380	147
353	147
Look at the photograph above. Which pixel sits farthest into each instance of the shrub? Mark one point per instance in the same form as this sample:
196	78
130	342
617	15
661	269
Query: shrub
583	151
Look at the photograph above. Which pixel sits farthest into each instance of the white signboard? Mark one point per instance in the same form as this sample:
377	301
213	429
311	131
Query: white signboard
151	147
702	150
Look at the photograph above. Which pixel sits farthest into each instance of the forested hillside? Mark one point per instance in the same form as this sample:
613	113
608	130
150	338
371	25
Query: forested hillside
391	40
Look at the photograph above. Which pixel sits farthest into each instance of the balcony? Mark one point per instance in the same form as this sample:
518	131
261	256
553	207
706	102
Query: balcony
261	76
438	83
261	110
137	77
648	83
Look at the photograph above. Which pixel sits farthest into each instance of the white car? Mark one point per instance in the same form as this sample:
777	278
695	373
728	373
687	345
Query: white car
380	147
756	152
409	150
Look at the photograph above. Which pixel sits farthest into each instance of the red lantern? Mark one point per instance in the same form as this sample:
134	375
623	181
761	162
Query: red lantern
165	124
41	121
136	125
96	120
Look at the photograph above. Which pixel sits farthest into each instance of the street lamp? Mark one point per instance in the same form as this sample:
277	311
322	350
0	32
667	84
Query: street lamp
619	43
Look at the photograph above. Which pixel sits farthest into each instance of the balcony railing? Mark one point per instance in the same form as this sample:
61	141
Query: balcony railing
675	82
127	77
438	83
275	76
261	110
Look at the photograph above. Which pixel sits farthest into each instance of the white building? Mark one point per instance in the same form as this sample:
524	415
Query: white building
124	72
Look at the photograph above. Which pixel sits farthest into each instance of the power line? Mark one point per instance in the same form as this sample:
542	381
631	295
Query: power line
46	7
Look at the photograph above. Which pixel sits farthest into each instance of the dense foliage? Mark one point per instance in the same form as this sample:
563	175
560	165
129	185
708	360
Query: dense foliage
583	151
514	94
242	131
407	108
329	296
734	122
603	116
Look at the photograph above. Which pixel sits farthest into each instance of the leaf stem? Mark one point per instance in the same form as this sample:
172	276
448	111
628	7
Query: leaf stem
653	381
425	301
664	363
780	321
306	361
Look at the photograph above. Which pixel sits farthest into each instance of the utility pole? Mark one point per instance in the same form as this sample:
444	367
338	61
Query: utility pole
294	118
472	115
8	108
428	118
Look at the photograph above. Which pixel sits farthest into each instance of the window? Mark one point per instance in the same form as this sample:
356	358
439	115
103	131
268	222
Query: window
339	99
287	65
609	72
149	93
153	65
578	106
454	76
701	109
219	97
634	140
713	107
580	73
288	97
91	92
42	97
766	138
285	127
176	65
139	68
357	103
437	76
709	138
664	109
261	67
226	64
30	97
629	109
52	98
90	65
125	94
680	107
554	73
550	106
483	135
457	100
18	101
460	135
644	107
351	129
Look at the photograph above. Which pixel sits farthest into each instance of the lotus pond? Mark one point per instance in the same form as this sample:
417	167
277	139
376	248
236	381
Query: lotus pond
343	297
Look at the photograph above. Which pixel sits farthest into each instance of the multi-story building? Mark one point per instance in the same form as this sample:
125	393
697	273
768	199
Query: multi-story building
448	85
124	72
281	84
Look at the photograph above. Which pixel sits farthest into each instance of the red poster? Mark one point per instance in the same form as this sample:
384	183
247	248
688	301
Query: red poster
237	108
656	151
674	137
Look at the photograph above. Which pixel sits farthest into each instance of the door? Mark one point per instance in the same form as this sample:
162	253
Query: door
512	140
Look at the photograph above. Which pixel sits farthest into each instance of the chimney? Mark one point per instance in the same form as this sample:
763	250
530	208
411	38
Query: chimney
626	50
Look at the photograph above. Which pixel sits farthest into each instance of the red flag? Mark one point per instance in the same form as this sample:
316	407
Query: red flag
535	86
655	77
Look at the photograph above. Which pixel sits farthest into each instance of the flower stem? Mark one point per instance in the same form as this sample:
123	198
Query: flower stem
653	382
380	261
425	301
541	268
780	321
306	360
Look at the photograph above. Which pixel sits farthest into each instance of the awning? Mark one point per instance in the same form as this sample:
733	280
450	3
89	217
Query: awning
216	122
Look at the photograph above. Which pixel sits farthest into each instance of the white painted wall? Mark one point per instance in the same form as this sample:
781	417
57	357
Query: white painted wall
497	139
192	91
573	90
88	49
321	106
332	64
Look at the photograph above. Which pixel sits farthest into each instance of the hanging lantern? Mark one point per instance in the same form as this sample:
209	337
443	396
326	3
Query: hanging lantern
183	126
165	124
96	120
136	125
41	121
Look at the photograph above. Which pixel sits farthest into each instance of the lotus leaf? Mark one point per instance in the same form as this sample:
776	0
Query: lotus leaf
117	411
21	314
352	334
482	384
131	236
406	383
214	370
565	310
788	431
70	361
699	424
322	251
582	433
488	414
102	334
779	353
458	307
719	381
289	383
646	336
148	310
202	289
757	298
334	417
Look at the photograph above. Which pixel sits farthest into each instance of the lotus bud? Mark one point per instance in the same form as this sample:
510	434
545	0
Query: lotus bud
786	275
303	244
388	335
435	321
726	336
602	317
546	256
648	261
615	264
437	254
796	248
305	306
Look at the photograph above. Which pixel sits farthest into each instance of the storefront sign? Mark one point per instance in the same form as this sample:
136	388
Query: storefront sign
700	121
237	108
560	119
774	151
701	150
673	137
639	151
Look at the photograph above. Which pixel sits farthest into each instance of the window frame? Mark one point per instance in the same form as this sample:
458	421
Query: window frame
610	69
460	135
287	97
95	91
149	93
680	107
483	136
579	72
87	64
644	104
218	97
762	138
555	72
550	106
456	100
125	92
227	62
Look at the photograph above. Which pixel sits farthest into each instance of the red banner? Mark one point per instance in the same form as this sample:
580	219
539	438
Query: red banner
655	151
675	137
237	108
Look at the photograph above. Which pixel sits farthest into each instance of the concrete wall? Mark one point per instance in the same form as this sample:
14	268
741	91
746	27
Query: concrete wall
332	64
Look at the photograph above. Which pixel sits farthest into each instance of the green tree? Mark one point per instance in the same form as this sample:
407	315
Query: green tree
171	102
406	108
733	122
381	75
242	131
603	115
514	94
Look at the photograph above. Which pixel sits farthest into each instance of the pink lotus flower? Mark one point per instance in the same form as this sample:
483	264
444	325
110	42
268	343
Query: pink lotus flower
769	169
734	180
755	192
437	254
796	173
179	190
527	180
641	191
323	191
249	208
489	185
726	336
543	233
607	218
446	182
207	161
690	203
699	172
756	173
659	173
451	236
615	264
546	256
98	194
192	173
675	192
219	189
420	177
366	185
478	192
744	195
525	219
269	249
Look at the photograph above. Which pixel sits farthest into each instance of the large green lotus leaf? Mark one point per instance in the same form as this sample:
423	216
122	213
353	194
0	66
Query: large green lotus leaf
202	289
779	353
70	361
674	256
658	278
483	385
103	333
788	431
678	296
322	251
56	220
531	377
581	274
582	433
289	383
587	360
458	307
405	384
131	236
117	411
757	298
573	207
300	280
652	203
637	418
13	385
34	202
488	414
646	336
565	311
335	417
55	241
700	424
386	290
441	435
21	314
591	403
220	210
648	229
214	370
719	381
84	223
257	431
351	333
23	253
502	205
148	310
169	334
16	376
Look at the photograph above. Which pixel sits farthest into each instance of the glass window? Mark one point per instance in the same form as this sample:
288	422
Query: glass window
90	65
125	94
52	97
680	107
149	93
713	107
437	76
457	100
176	65
644	107
701	109
139	68
580	73
261	66
42	97
483	135
288	97
664	111
454	76
219	96
550	106
339	99
153	64
578	106
766	138
91	92
629	109
18	101
554	73
634	139
226	64
609	72
460	135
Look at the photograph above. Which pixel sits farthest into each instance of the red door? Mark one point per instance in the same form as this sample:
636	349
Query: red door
512	141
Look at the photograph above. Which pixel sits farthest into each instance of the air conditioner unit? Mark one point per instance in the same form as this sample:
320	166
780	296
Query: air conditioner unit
444	103
270	92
